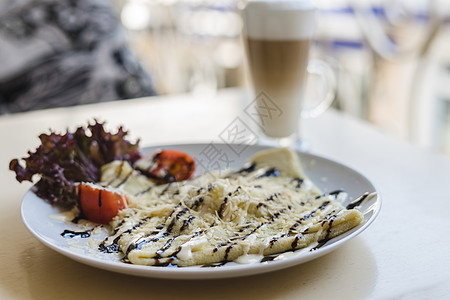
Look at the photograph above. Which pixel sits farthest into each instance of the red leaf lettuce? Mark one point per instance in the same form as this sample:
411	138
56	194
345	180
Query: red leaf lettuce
63	160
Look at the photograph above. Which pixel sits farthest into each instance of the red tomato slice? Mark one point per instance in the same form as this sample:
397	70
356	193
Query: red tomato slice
171	165
99	205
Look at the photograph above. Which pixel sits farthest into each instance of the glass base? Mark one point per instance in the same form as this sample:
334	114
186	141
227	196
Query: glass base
291	142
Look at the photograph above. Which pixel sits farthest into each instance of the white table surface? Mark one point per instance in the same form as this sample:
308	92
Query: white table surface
403	255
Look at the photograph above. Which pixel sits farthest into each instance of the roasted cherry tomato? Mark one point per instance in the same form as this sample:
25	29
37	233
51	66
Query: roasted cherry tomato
99	205
170	166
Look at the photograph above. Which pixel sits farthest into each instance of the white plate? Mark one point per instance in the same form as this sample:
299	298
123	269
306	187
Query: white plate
328	175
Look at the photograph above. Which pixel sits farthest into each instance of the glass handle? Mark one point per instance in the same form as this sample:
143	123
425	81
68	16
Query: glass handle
325	89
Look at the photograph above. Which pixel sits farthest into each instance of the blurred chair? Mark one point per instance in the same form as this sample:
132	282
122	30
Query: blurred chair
58	53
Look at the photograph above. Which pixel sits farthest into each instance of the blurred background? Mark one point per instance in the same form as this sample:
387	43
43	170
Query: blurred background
391	57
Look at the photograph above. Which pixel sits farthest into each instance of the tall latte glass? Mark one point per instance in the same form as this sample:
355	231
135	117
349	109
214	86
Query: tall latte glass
277	37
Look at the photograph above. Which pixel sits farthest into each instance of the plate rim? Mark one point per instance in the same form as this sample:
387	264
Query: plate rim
196	272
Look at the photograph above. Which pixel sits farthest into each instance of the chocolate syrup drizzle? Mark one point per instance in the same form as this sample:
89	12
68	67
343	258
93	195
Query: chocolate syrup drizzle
162	258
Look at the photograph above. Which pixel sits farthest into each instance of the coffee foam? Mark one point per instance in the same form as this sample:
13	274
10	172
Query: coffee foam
279	20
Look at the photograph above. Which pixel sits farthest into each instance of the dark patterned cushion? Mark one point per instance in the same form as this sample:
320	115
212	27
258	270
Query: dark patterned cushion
57	53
